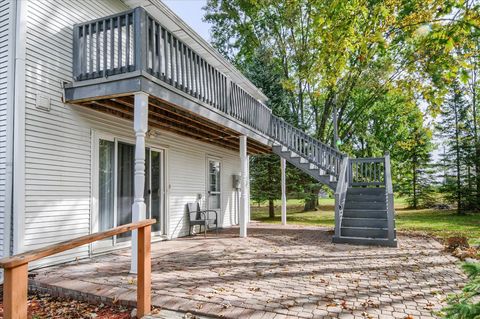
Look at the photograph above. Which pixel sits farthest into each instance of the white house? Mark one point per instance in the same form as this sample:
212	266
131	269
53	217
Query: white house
113	104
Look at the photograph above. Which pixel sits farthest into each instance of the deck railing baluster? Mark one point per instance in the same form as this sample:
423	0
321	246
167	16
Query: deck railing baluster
120	40
90	50
171	61
184	67
97	48
127	42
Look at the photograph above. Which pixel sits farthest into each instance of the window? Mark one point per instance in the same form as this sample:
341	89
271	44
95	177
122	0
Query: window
214	191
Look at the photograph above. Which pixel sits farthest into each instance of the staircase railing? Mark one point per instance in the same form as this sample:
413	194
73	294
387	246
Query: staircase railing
390	203
341	194
367	171
325	157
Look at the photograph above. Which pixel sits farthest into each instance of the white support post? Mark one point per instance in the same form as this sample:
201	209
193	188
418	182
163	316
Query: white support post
243	186
283	164
140	125
248	190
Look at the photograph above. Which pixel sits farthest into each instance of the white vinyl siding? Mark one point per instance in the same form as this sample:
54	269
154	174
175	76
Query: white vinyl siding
58	143
6	41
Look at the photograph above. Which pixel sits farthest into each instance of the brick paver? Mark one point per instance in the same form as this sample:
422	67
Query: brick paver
277	272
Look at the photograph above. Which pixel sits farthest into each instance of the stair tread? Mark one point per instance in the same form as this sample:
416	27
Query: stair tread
348	217
364	210
363	227
367	238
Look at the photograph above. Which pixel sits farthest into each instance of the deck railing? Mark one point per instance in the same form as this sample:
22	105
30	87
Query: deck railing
135	41
367	171
15	285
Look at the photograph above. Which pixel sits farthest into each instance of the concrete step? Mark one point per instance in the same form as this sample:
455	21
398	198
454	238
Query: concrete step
365	222
366	191
365	241
350	204
364	232
365	213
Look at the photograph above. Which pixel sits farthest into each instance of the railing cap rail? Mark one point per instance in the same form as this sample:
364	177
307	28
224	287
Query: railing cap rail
24	258
368	159
107	17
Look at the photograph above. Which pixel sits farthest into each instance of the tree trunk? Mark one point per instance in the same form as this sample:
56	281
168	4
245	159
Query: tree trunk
311	202
414	183
271	209
475	136
457	160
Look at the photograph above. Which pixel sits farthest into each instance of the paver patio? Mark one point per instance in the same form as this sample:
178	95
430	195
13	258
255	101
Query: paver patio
277	272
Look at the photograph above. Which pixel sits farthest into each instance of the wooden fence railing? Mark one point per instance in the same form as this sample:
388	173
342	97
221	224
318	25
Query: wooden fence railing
15	284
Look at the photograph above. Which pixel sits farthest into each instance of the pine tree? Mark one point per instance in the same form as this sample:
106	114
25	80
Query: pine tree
453	128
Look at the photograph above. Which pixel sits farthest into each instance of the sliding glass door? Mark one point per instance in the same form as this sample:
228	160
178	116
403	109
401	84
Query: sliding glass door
106	189
125	173
116	163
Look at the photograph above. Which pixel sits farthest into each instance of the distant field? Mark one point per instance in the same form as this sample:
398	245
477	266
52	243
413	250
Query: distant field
438	223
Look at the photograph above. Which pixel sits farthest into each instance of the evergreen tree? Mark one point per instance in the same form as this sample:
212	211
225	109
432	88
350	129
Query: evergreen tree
453	128
416	182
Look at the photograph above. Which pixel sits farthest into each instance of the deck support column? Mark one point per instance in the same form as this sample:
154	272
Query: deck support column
283	164
248	190
243	186
140	125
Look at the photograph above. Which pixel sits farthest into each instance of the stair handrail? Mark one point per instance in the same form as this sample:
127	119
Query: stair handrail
324	156
341	194
390	198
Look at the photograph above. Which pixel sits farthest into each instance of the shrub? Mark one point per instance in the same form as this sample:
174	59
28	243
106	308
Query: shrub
466	305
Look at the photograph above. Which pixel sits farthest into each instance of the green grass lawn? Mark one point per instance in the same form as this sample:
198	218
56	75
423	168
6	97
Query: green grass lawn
438	223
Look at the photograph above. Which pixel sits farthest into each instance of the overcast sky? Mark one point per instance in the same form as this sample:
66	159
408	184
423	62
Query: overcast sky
191	12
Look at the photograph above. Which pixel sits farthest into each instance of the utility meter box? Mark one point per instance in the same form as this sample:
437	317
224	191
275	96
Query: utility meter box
236	181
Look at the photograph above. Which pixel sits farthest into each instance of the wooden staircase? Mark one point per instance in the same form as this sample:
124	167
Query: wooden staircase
364	210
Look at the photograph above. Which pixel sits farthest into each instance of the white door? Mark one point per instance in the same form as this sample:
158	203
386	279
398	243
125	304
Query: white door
214	195
155	190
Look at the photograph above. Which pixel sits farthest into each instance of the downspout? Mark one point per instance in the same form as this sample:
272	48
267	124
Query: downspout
18	196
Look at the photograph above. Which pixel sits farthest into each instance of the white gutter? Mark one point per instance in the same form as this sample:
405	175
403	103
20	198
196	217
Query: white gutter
19	129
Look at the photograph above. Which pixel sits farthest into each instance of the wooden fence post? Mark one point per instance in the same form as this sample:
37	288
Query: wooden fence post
144	280
15	288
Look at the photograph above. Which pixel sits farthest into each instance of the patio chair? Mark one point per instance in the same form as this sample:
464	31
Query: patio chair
204	218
